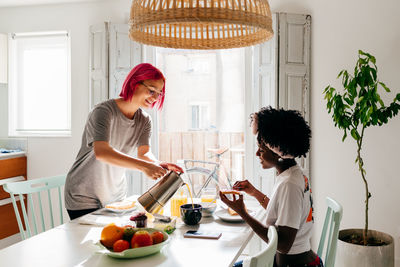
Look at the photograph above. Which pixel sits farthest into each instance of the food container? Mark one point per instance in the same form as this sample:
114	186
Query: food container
140	219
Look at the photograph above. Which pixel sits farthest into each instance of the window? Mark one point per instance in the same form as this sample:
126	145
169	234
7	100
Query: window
39	89
199	116
204	109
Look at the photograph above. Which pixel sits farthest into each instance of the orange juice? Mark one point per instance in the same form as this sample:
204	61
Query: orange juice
161	211
209	195
176	203
190	193
208	198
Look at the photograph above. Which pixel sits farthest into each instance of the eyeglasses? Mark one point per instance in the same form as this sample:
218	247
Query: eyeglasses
152	91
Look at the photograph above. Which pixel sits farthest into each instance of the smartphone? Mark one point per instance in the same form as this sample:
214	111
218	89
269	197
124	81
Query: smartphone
206	235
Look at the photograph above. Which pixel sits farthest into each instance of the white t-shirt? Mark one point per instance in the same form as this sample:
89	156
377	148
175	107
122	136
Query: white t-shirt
291	206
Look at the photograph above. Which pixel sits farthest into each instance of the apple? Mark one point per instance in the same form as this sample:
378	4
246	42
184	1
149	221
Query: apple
128	233
157	237
141	238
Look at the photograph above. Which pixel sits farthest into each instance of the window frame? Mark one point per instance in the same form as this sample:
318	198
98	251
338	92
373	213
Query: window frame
13	90
202	120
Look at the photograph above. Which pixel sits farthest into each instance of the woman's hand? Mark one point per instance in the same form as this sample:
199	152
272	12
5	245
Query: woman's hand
236	204
153	171
171	167
245	186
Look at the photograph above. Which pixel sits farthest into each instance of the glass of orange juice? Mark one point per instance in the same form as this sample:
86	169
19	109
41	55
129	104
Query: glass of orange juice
176	201
209	195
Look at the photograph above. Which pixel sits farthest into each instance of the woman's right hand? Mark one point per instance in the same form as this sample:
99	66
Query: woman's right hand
245	186
154	171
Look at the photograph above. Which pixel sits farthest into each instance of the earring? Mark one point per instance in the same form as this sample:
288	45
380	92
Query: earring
280	159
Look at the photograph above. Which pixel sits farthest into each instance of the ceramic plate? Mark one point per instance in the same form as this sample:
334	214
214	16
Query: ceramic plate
225	216
136	252
121	210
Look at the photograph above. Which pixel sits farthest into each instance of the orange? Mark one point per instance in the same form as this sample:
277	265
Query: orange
110	234
120	245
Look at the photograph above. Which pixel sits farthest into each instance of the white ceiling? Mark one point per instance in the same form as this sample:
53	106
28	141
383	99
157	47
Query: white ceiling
13	3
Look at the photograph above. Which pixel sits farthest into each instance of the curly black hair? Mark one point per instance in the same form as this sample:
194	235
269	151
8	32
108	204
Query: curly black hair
285	129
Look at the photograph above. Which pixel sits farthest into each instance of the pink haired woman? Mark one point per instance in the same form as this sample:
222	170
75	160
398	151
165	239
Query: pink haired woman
114	129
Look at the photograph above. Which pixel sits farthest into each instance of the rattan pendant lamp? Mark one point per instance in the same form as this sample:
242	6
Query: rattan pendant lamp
200	24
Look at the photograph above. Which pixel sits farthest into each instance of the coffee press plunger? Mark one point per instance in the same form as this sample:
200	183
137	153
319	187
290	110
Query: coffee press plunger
158	195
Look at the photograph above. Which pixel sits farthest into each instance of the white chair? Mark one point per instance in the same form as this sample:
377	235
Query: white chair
265	258
30	188
333	217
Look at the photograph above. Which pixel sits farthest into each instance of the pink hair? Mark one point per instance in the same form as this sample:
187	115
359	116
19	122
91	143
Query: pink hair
139	73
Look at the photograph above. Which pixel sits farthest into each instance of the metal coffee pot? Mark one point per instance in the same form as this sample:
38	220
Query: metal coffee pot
158	195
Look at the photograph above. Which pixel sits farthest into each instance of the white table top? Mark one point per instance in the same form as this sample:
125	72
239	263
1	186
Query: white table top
71	244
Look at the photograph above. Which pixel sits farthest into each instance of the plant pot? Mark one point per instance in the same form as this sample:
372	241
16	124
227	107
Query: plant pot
348	254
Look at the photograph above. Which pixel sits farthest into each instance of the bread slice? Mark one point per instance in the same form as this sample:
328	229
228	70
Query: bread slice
231	192
232	212
122	205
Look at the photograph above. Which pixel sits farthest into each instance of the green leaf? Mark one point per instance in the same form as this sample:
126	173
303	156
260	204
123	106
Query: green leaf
355	134
344	136
373	72
384	87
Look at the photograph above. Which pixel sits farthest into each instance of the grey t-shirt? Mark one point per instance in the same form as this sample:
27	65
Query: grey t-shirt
92	183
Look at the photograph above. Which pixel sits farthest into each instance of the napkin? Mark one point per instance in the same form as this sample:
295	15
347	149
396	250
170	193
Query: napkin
90	219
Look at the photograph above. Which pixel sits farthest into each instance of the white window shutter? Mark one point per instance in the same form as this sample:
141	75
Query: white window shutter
294	68
263	93
98	65
265	63
124	55
112	57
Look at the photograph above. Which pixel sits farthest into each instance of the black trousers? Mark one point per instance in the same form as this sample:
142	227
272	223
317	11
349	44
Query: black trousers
73	214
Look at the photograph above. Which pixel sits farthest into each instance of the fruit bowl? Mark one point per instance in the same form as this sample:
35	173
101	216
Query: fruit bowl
136	252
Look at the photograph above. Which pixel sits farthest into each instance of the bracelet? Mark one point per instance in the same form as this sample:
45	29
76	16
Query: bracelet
263	200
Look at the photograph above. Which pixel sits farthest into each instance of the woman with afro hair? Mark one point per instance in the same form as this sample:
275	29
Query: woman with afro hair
282	136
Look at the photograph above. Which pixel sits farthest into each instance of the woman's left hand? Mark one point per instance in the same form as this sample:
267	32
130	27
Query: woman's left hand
236	204
171	167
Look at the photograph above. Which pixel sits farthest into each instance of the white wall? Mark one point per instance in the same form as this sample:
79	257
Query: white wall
52	156
3	110
339	29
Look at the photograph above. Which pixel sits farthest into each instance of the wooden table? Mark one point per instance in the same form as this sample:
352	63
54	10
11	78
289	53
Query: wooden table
71	244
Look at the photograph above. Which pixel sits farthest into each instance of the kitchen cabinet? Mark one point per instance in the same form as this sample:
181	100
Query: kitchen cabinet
11	170
3	58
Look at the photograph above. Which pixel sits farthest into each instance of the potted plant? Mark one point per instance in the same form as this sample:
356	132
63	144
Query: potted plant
358	107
